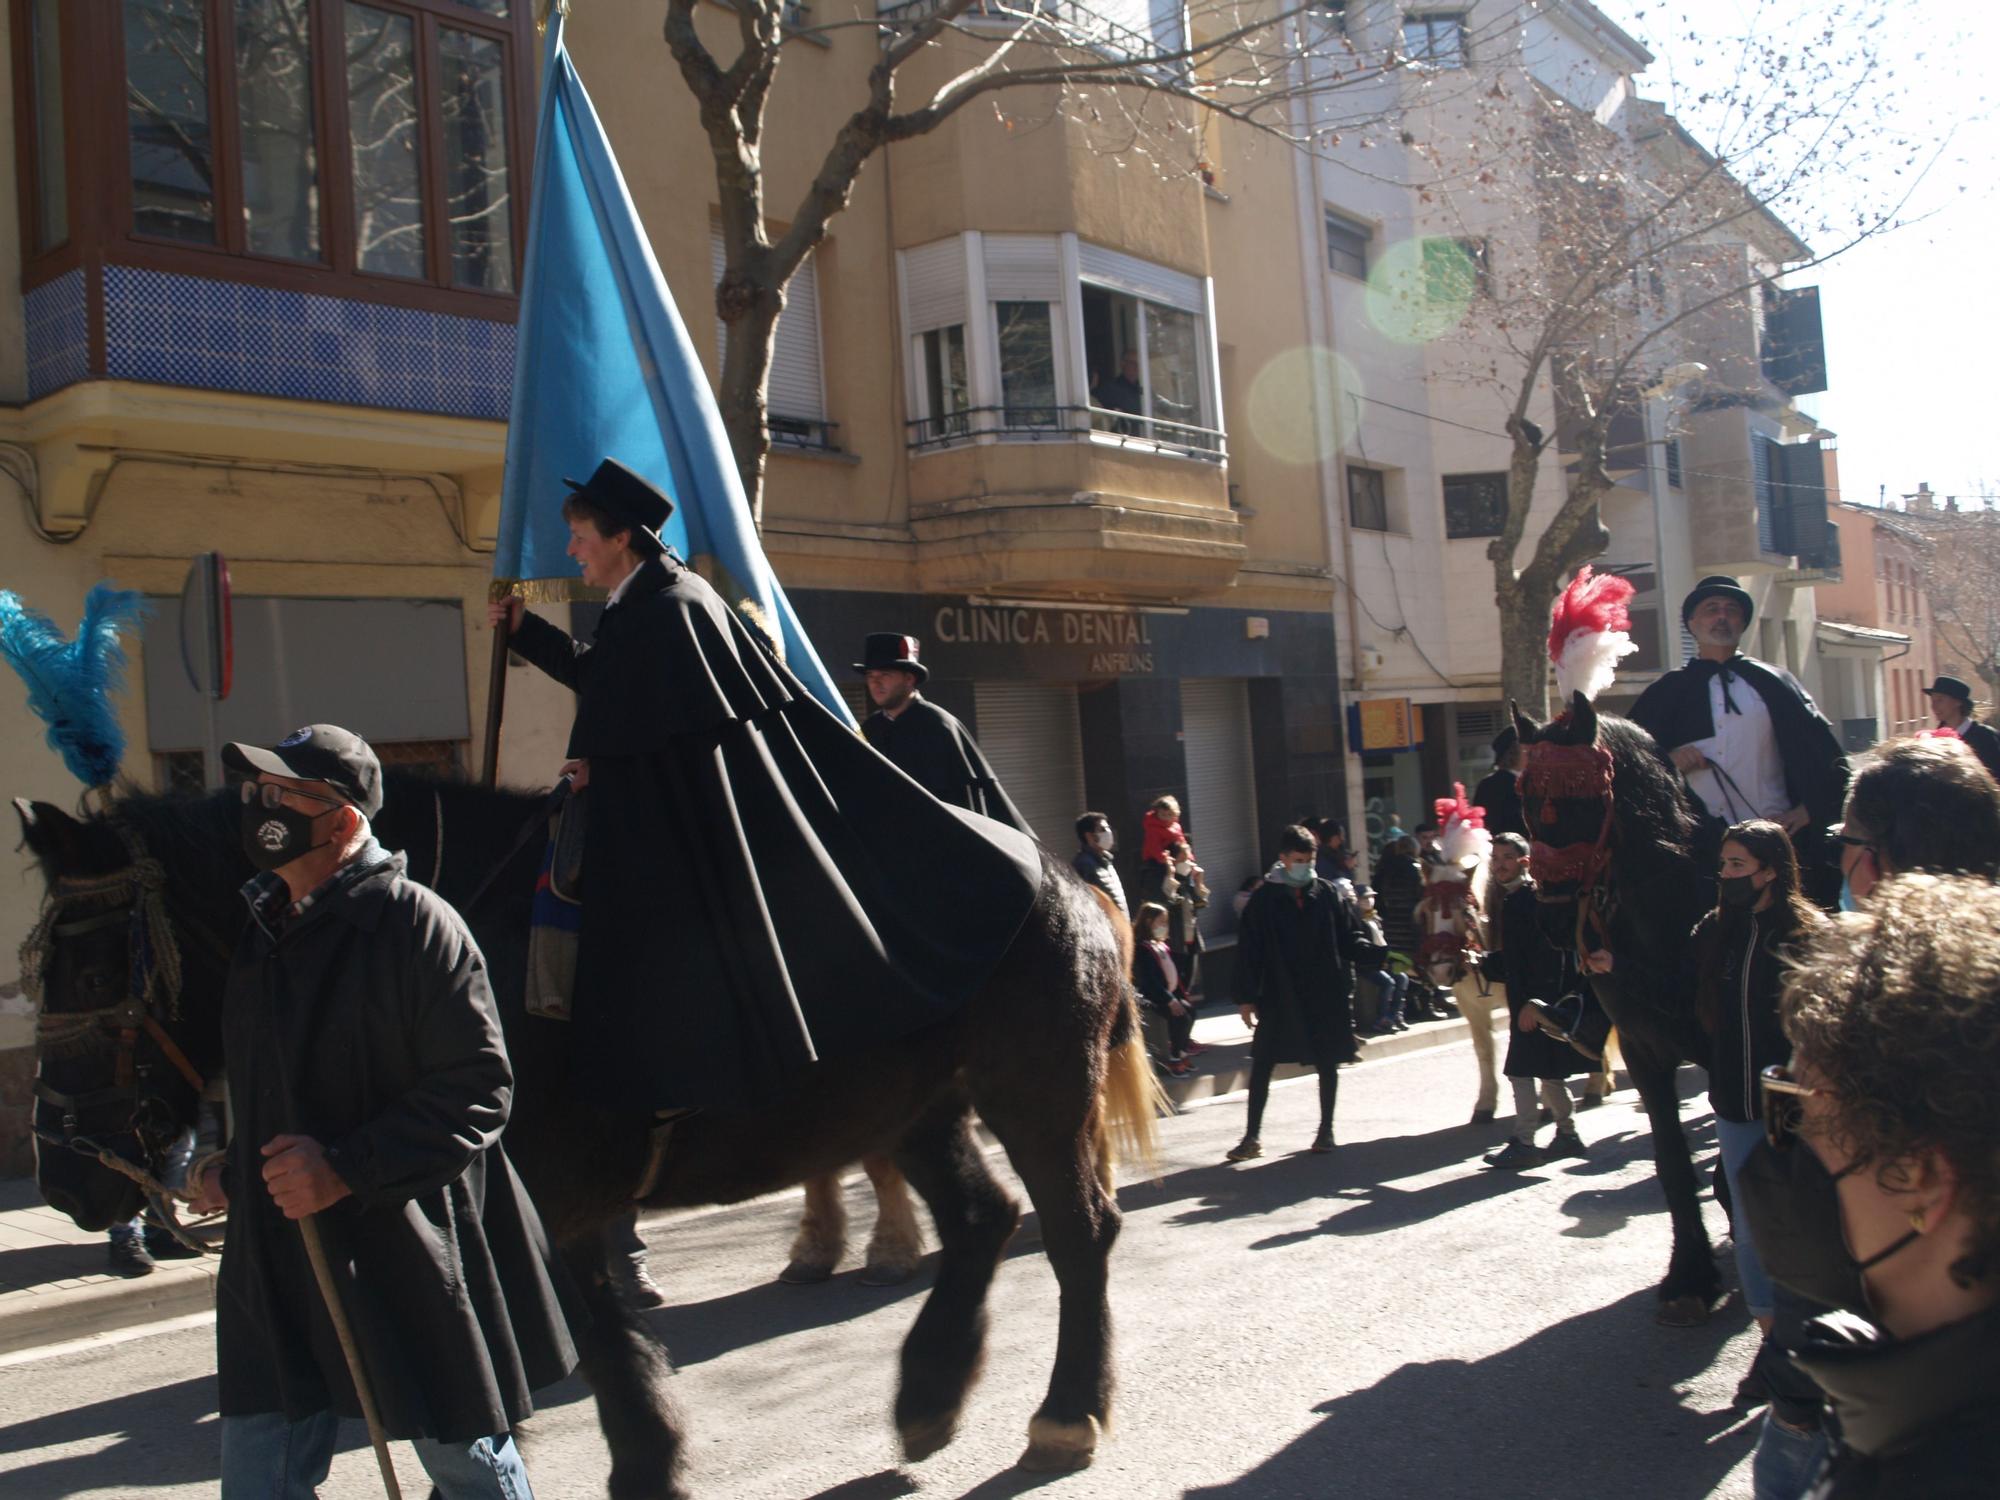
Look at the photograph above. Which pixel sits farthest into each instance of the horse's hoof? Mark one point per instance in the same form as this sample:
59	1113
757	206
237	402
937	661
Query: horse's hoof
922	1439
804	1273
1060	1447
1685	1311
889	1275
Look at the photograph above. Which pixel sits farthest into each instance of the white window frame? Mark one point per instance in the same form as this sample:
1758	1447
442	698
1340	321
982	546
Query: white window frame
1348	224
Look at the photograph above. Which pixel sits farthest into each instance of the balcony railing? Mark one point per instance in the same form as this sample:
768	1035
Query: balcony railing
807	433
1056	22
1056	424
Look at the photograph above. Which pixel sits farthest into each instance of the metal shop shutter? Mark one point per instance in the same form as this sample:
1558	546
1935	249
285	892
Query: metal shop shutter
1221	811
797	383
1034	741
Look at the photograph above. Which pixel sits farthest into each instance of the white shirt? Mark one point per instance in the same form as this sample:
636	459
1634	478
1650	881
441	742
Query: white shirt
624	584
1745	746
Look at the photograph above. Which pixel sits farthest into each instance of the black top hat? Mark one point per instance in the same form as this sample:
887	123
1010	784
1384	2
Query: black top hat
884	651
1722	585
1505	741
629	500
1957	688
318	752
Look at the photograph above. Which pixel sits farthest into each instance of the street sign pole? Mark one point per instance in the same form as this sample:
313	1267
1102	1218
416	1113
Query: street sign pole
210	660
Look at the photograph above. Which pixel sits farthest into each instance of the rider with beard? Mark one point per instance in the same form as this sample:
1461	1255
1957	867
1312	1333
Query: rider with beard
1746	735
1880	1192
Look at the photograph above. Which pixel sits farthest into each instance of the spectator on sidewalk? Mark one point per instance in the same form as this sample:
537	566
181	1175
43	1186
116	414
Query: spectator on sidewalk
1184	893
1094	858
1399	890
1335	860
1163	985
1160	829
1295	984
1373	964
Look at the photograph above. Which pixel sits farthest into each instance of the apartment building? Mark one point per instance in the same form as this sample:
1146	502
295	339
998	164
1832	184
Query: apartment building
1880	596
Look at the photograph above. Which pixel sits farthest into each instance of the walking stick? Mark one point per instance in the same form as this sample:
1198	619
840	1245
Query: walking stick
350	1351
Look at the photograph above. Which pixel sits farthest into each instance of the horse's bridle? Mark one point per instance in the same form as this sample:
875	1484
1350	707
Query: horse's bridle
153	984
1578	772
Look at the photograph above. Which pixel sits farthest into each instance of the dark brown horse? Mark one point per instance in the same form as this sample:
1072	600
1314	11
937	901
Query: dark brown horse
1611	830
143	909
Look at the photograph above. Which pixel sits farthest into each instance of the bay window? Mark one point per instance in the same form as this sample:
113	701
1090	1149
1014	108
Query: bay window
1025	335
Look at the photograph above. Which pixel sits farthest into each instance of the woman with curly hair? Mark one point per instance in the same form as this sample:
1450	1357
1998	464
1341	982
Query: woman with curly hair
1891	1197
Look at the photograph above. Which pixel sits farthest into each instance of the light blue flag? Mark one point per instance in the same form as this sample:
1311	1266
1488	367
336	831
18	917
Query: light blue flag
605	369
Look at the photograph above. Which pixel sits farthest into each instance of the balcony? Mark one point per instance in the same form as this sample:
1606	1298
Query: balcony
1057	424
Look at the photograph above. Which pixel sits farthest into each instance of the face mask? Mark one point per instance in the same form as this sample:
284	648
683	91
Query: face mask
274	836
1791	1207
1299	874
1739	890
1103	841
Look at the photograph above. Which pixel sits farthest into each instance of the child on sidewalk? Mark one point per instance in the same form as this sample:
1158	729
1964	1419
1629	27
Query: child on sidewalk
1162	986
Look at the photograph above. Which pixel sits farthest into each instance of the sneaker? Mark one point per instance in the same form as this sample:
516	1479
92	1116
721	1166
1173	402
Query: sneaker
1322	1143
1195	1049
636	1288
1179	1067
127	1257
1401	1024
1246	1149
1567	1143
1515	1156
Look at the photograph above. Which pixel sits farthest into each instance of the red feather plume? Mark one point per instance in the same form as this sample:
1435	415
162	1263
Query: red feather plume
1593	602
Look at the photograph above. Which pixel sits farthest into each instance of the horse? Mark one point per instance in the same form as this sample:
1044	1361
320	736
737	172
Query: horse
1612	832
1450	959
129	961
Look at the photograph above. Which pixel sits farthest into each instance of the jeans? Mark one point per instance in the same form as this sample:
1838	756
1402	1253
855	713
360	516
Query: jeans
1787	1462
1739	1139
265	1457
1392	987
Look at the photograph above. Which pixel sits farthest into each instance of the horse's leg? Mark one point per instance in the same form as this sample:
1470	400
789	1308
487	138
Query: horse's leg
627	1372
974	1216
898	1242
1692	1282
1050	1130
822	1236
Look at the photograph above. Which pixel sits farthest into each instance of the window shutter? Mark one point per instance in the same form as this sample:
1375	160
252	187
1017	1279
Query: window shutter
1032	737
797	387
1802	472
1127	273
934	277
1767	517
1023	268
1222	796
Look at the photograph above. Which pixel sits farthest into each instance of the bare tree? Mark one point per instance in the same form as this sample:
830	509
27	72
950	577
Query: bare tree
1626	246
1240	59
1959	563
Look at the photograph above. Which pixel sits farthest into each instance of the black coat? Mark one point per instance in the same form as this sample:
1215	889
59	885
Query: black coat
1101	871
760	888
1917	1417
938	753
1149	978
368	1025
1739	978
1500	794
1399	888
1983	742
1535	969
1295	953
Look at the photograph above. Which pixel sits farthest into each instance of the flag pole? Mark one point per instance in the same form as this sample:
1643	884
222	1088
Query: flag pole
496	690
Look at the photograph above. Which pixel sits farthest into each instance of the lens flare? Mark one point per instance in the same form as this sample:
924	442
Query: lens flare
1301	404
1419	289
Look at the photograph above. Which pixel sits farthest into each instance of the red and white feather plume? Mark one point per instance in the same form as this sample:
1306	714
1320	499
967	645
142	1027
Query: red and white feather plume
1589	630
1464	840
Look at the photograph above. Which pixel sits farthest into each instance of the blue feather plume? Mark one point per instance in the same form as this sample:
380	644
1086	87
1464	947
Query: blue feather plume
71	682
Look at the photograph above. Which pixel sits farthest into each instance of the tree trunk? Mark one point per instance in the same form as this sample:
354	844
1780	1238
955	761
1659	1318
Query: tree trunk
749	309
1524	659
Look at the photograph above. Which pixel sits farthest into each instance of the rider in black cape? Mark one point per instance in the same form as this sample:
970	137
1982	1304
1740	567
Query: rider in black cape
760	888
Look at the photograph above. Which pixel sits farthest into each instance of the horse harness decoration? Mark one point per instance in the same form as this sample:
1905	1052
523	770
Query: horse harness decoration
153	985
1582	773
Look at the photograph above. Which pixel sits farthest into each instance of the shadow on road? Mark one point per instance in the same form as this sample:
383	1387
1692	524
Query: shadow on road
1581	1410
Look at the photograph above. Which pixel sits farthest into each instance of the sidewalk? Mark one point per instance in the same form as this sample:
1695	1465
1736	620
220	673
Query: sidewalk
54	1287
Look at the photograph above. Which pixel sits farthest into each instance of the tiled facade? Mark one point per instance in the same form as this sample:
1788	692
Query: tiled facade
58	332
227	336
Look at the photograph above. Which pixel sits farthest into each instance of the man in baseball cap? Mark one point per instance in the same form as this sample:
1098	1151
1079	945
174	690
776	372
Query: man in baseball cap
318	752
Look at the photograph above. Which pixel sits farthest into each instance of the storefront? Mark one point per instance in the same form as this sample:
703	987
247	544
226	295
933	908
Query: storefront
1102	707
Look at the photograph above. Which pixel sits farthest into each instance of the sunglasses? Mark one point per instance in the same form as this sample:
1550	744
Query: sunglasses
270	796
1784	1104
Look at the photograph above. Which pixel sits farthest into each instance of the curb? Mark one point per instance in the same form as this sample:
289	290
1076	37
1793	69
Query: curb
174	1290
1230	1071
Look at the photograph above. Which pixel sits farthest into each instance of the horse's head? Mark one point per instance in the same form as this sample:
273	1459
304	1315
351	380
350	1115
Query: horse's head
1566	798
103	966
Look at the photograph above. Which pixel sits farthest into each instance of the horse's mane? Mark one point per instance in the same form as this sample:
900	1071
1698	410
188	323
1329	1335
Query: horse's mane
1655	838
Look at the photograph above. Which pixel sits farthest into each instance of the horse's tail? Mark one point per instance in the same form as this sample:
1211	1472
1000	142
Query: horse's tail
1131	1101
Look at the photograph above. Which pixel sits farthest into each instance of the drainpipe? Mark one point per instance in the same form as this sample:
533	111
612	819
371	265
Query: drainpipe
1326	424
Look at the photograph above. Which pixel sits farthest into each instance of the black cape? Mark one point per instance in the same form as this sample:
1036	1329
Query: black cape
1676	711
1295	964
1500	794
938	753
1983	742
369	1025
760	888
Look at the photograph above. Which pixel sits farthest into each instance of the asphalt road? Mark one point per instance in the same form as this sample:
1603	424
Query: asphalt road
1389	1321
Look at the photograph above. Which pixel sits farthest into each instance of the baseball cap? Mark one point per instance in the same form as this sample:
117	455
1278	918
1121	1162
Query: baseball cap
318	752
